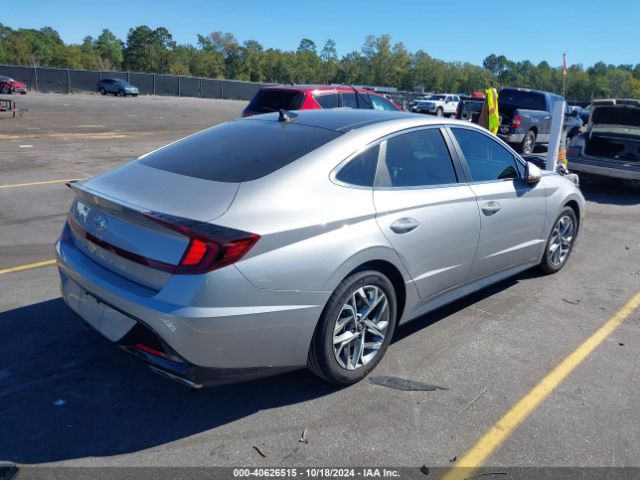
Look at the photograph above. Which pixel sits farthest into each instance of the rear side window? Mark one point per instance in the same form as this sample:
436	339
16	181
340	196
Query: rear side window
349	100
239	151
419	159
486	158
360	170
266	101
329	100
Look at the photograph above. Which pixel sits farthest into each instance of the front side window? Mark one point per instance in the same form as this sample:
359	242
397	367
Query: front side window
327	100
380	103
486	158
360	170
418	159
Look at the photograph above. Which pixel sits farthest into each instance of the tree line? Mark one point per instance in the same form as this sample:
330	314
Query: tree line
379	62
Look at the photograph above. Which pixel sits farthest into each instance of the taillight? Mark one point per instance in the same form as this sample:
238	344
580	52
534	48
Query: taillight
516	122
210	246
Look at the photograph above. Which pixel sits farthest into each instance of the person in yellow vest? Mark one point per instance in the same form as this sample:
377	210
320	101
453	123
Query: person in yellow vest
490	117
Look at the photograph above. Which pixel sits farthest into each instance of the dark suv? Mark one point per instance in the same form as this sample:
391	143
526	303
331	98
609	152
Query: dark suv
117	86
314	97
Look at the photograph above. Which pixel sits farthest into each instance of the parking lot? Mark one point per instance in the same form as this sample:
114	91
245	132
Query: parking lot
69	397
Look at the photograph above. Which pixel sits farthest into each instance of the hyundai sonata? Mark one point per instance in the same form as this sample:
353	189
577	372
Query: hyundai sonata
287	240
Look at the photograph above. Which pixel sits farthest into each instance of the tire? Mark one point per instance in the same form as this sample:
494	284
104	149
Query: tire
560	245
528	143
349	361
122	93
439	112
102	91
6	90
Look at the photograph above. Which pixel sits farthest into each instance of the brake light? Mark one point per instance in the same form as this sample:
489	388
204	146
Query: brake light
210	246
516	122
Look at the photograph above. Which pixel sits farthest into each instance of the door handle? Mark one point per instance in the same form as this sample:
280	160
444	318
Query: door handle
491	207
404	225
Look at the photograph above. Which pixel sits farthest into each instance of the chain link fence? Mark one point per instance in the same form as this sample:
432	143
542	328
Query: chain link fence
63	80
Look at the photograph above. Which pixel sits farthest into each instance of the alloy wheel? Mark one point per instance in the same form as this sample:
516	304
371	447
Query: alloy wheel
360	328
561	240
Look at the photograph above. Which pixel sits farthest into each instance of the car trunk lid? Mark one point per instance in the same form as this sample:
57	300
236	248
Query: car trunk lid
112	219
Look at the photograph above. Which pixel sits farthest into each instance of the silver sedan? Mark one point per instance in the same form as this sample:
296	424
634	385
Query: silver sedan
300	239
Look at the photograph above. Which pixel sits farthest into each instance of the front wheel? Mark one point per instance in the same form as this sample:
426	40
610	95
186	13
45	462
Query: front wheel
439	112
102	91
560	243
355	329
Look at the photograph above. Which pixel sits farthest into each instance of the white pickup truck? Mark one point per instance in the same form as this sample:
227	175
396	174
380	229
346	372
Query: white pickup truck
440	104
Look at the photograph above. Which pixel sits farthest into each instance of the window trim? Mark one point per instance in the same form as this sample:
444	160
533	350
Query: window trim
518	160
382	169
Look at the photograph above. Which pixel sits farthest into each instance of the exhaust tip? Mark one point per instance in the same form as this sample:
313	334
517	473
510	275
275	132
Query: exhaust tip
177	378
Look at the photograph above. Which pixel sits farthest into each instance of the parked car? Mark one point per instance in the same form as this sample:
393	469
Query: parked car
313	97
442	104
8	85
611	145
572	125
117	86
412	104
469	109
287	240
525	117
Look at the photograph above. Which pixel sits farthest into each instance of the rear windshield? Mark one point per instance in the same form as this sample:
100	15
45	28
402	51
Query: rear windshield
239	151
521	99
266	101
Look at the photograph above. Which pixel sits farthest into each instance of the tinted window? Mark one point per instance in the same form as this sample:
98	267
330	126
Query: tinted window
380	103
349	100
487	159
361	170
329	100
419	158
239	151
510	99
273	100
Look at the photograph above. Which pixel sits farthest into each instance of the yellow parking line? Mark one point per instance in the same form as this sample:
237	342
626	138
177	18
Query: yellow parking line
499	432
20	268
40	183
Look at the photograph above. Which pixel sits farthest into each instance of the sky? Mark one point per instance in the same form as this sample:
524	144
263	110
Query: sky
456	30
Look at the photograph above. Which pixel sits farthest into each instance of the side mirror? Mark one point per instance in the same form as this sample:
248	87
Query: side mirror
533	174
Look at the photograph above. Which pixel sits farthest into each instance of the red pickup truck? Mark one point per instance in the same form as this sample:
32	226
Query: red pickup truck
9	85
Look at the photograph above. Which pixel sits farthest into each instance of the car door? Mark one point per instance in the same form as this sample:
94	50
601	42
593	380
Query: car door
512	212
429	217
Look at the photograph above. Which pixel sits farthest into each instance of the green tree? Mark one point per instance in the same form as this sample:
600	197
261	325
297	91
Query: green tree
109	50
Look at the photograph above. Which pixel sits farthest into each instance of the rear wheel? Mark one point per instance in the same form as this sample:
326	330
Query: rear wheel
102	91
6	90
528	143
355	328
560	243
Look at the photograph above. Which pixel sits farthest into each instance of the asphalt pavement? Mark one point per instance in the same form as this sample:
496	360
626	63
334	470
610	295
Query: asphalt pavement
69	397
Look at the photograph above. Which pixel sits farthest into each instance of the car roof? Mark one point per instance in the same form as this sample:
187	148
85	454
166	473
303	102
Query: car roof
313	89
347	119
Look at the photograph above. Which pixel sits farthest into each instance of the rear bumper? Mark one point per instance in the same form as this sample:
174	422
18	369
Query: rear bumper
250	332
604	167
511	137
